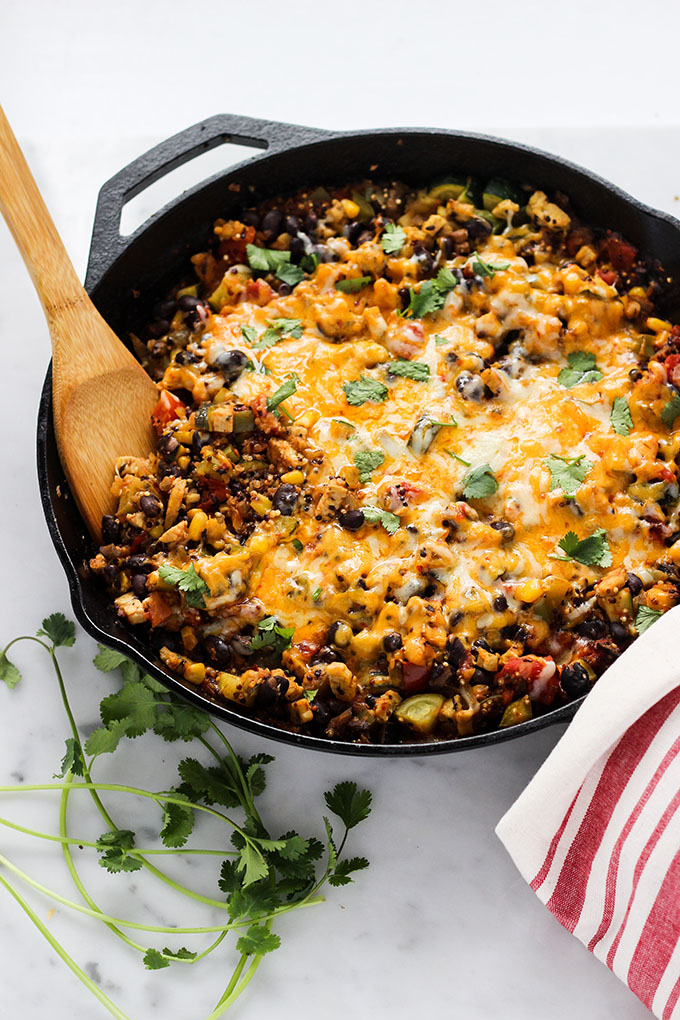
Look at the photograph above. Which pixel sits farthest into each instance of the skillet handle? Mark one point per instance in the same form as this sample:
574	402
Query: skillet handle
273	136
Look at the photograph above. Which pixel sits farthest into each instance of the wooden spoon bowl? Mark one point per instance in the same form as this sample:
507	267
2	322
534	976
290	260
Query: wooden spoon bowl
103	398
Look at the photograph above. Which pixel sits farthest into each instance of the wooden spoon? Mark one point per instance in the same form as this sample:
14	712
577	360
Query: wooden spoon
102	397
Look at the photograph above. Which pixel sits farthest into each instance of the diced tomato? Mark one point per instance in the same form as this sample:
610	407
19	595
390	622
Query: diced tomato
539	674
234	250
608	275
259	292
307	649
415	678
672	364
213	492
168	408
621	254
157	609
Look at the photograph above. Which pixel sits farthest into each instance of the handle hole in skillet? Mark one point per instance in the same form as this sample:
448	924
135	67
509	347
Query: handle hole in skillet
138	209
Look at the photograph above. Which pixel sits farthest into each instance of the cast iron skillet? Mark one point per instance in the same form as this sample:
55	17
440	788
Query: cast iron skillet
127	275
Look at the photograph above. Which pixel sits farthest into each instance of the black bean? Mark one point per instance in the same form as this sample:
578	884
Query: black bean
392	642
635	374
500	603
470	386
353	230
186	358
446	246
285	289
250	218
241	644
311	222
139	585
265	695
167	445
198	441
506	529
370	700
110	573
327	654
230	364
296	248
592	629
187	302
164	309
271	222
110	530
481	643
291	225
478	228
285	499
283	683
619	632
139	562
424	259
219	651
159	328
351	520
150	505
481	676
634	583
575	680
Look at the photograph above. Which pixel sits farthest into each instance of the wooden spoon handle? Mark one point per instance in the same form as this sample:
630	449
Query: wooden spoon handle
33	230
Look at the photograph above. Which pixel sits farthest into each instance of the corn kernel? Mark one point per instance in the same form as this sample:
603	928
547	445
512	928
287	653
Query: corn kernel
261	505
301	711
637	293
529	591
197	526
293	477
221	396
195	673
191	291
308	418
189	639
351	208
183	436
156	531
259	545
657	325
183	462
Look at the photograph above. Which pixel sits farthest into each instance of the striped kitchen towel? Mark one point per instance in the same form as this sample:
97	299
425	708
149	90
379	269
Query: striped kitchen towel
596	833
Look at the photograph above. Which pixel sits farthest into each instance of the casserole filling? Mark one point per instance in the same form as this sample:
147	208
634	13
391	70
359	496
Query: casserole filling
416	465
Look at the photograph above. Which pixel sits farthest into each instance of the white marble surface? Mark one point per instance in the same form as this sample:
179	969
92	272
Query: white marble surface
441	922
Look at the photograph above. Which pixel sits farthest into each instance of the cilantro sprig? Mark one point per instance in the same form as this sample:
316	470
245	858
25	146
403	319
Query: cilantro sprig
567	473
375	515
393	239
592	551
285	390
263	875
417	370
582	369
480	483
645	617
621	418
192	586
671	411
276	330
359	391
272	636
367	461
431	296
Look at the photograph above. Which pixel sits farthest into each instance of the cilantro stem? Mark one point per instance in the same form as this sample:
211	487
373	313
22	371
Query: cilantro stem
60	951
135	852
233	991
248	799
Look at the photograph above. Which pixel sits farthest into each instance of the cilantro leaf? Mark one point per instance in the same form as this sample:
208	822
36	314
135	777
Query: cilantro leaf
621	418
359	391
153	960
567	473
367	461
393	238
297	545
284	391
178	821
180	954
60	631
108	659
352	284
374	515
177	721
252	864
276	330
345	868
455	456
349	803
72	760
8	671
410	370
257	941
114	847
105	739
188	582
645	618
265	260
249	334
582	369
479	483
440	340
309	262
432	294
212	785
290	274
671	411
270	634
486	269
592	551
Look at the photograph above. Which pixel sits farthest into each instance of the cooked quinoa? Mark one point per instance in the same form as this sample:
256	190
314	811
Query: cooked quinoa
415	475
